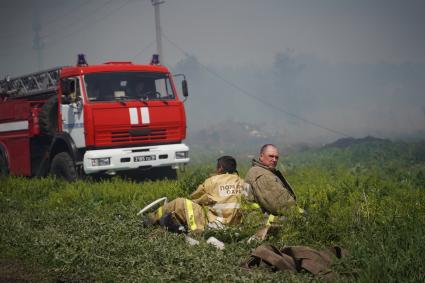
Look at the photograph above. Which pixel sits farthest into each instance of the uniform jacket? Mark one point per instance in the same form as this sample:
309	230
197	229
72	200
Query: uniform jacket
221	196
269	189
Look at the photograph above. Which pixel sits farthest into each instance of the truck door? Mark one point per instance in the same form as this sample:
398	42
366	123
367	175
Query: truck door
72	110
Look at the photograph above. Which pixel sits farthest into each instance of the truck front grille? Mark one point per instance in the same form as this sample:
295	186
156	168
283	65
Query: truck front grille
136	135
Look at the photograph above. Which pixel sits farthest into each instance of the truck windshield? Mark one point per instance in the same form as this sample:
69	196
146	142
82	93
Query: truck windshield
112	86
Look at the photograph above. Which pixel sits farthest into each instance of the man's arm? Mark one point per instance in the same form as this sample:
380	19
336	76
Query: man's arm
200	196
271	195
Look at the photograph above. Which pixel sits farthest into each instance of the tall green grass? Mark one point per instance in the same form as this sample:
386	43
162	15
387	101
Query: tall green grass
367	199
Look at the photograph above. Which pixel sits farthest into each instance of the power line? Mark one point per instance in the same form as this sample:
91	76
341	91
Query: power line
142	51
50	21
254	97
76	21
67	14
85	27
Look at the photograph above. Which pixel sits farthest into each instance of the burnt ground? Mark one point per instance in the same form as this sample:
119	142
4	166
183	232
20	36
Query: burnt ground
12	271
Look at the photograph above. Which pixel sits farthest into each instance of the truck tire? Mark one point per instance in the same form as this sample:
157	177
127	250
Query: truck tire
4	170
48	117
63	167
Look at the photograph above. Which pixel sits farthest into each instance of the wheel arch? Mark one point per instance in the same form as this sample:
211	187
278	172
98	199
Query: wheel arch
63	142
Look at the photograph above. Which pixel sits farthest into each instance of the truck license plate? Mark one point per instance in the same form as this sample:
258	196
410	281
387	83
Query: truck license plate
144	158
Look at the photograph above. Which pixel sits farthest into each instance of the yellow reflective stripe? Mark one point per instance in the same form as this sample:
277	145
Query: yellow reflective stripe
229	205
270	219
190	215
159	212
251	205
255	205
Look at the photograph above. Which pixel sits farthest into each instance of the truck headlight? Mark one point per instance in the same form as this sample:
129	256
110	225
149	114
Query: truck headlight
104	161
182	154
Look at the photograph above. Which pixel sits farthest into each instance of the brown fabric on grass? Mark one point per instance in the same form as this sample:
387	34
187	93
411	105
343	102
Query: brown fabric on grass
296	259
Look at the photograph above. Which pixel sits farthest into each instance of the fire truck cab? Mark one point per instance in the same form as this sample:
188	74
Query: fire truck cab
91	119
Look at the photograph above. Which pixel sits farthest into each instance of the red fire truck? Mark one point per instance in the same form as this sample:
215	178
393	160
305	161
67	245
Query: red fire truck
92	119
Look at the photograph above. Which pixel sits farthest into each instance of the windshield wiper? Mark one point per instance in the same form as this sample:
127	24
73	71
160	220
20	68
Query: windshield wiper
164	101
122	99
145	96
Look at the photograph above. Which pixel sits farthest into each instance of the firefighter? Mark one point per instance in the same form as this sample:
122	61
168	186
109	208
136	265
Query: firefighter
269	191
268	186
215	203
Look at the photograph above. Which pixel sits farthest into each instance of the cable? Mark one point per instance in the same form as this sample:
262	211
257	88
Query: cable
254	97
65	15
76	21
142	51
52	20
84	27
55	42
18	44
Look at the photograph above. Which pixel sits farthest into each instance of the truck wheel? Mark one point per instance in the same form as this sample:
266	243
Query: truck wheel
48	117
63	167
4	170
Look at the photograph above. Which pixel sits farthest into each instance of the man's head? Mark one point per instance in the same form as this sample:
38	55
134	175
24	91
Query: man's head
226	164
269	155
140	87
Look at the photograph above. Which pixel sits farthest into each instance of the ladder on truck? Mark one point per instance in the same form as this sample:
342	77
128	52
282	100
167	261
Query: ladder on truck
30	85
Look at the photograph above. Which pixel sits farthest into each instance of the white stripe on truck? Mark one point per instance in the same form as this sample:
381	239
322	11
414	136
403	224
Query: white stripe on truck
14	126
145	115
134	119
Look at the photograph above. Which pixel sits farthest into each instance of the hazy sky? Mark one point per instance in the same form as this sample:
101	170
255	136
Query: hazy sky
355	66
221	32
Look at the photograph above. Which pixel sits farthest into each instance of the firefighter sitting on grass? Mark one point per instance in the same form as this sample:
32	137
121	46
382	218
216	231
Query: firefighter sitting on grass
269	191
214	204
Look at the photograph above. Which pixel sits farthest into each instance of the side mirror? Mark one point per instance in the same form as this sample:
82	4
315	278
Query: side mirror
185	91
184	88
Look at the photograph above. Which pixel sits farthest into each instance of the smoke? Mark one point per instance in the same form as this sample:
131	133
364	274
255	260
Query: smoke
301	99
343	76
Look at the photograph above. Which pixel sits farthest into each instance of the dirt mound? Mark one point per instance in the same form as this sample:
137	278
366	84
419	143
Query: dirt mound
348	142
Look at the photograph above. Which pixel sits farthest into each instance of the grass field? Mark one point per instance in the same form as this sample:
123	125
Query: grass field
368	198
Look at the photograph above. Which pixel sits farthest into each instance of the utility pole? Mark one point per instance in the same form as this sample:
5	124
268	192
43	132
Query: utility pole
156	4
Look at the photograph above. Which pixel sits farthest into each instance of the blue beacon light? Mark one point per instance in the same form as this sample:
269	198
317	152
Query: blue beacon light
82	60
155	59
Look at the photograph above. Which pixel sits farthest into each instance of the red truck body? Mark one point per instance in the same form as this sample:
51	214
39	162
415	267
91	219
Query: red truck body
92	119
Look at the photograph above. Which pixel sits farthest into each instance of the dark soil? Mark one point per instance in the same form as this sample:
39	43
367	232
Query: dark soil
16	272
